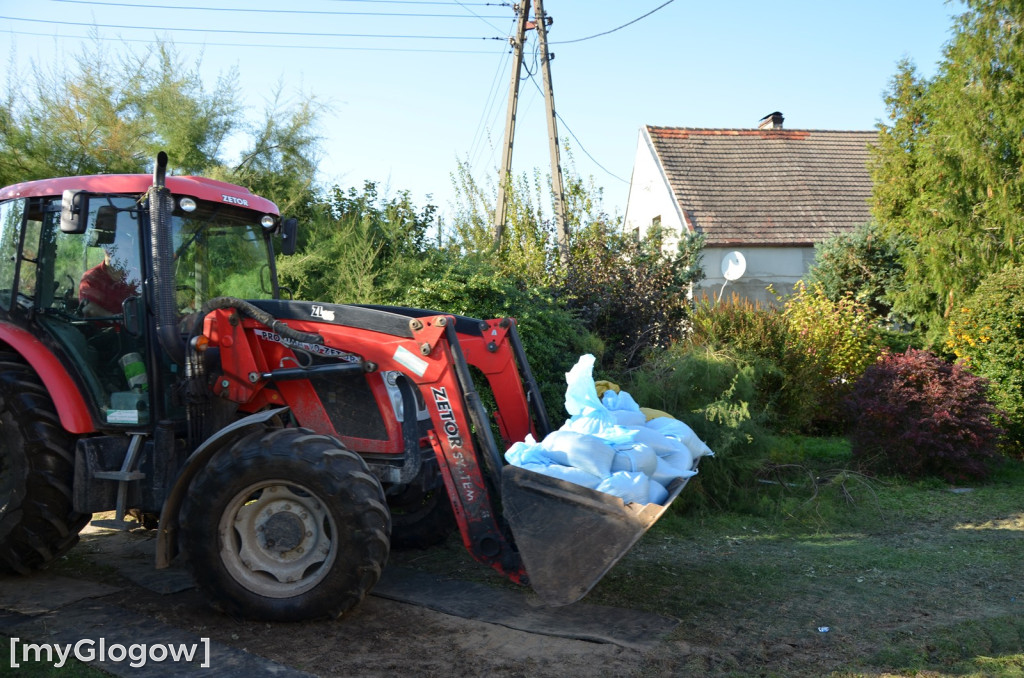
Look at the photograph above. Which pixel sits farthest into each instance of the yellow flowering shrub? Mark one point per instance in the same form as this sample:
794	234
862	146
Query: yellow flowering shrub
986	333
835	340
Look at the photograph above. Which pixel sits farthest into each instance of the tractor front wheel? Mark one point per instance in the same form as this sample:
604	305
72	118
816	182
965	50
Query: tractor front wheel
285	525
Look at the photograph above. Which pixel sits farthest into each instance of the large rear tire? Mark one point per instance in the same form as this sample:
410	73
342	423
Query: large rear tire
285	525
37	466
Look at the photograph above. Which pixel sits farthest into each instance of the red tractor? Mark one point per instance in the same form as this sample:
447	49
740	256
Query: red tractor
149	365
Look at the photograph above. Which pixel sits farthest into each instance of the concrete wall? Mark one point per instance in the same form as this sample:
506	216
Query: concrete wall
780	267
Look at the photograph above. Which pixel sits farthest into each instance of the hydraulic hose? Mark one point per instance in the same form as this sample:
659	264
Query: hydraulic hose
262	317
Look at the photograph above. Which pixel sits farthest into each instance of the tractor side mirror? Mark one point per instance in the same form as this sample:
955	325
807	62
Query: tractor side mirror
74	211
289	234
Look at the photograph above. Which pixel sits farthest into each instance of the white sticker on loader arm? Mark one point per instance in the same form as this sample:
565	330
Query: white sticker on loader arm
409	359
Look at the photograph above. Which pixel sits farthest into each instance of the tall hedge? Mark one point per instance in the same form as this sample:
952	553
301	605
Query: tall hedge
552	337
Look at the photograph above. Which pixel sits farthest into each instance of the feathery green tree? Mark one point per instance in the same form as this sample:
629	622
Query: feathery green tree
949	168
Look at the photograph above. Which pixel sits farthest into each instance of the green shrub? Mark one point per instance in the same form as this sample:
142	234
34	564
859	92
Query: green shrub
740	325
712	392
863	263
358	247
837	340
987	334
630	293
759	335
917	415
804	355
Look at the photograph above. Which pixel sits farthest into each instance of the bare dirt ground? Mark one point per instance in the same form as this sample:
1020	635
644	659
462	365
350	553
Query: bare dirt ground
745	606
381	637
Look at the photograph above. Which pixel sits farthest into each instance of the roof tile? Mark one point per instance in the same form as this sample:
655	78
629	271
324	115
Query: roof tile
770	186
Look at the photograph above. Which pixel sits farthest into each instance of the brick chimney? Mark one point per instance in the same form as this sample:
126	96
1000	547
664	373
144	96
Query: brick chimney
771	121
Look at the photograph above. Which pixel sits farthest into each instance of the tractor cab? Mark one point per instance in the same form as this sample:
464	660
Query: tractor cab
76	270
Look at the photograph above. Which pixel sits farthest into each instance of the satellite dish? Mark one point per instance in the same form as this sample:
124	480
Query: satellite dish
734	265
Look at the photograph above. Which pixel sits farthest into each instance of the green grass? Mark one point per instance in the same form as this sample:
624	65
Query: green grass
911	579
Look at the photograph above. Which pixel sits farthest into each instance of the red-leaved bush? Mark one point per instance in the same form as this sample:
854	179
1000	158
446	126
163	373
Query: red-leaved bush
914	414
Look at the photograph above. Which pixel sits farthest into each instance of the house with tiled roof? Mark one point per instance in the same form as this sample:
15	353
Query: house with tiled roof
767	193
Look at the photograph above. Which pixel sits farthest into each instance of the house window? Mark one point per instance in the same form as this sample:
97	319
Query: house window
655	231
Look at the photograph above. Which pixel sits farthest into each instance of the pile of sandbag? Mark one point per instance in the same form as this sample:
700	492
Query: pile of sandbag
611	444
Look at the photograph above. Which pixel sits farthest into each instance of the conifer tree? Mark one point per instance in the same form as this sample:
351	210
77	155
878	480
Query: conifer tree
949	168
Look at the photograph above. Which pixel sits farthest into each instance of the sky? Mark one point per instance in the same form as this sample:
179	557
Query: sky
411	88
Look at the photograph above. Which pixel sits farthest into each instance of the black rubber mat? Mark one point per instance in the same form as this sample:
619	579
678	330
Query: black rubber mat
520	610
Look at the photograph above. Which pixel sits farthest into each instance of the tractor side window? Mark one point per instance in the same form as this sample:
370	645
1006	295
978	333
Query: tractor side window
29	268
71	262
91	275
112	270
11	214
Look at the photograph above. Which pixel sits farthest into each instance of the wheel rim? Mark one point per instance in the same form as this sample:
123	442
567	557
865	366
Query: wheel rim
277	539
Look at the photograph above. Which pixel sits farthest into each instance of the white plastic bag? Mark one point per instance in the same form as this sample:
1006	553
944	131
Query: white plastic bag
631	487
567	473
607	444
581	392
635	458
586	452
673	428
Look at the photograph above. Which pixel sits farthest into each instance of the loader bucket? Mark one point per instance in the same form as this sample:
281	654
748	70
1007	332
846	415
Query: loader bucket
568	535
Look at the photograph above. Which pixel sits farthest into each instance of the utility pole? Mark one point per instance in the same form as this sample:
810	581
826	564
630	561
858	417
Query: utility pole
523	8
557	186
504	179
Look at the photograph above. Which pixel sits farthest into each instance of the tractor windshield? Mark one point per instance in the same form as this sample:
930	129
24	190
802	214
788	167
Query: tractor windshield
219	251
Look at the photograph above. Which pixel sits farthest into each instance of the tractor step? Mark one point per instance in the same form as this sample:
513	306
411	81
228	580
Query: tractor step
115	524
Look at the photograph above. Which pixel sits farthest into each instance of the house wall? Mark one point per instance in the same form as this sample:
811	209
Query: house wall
650	196
780	267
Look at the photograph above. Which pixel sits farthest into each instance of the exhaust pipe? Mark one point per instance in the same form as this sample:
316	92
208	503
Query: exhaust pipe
161	204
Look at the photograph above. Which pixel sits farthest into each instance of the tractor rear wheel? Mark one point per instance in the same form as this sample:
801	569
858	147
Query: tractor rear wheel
37	466
285	525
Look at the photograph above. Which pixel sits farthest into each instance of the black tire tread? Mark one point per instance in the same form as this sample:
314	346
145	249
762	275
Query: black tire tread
44	525
420	520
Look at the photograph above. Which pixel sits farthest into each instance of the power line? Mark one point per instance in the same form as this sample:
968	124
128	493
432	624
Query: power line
245	32
279	11
465	6
628	23
578	142
427	2
492	96
258	45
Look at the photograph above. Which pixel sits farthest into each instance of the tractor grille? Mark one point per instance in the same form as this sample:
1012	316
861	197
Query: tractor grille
351	407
